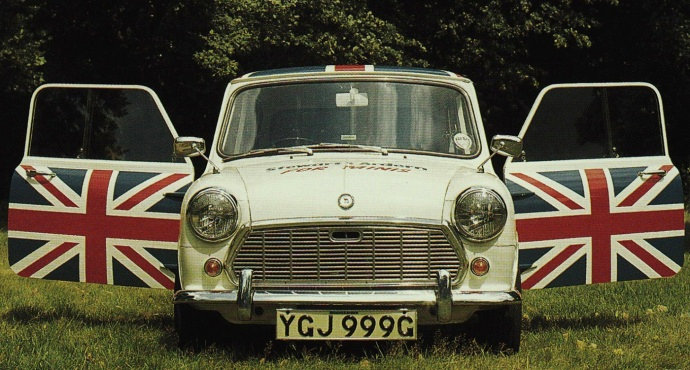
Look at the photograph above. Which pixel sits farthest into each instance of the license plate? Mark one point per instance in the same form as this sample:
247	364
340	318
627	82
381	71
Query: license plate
344	325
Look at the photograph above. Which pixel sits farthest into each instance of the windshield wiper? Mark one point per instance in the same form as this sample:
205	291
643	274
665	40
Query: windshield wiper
270	151
371	148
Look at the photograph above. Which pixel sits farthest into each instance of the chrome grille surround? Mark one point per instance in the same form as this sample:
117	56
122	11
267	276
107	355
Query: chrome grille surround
372	255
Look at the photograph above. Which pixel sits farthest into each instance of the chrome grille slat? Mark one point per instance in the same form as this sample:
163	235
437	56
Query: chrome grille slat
383	254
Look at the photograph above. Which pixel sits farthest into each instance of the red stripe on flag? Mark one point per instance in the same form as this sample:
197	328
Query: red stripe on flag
149	190
51	188
643	189
553	193
63	223
565	227
151	270
647	258
46	259
96	230
542	272
600	231
349	67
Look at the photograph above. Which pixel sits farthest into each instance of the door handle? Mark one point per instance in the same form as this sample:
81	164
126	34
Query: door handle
660	173
33	173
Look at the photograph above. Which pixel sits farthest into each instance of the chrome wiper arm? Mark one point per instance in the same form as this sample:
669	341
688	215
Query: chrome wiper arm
372	148
297	149
269	151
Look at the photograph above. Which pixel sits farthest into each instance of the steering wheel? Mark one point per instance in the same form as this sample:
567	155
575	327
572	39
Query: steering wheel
293	141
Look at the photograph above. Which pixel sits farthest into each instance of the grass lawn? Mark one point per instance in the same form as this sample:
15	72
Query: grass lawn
54	324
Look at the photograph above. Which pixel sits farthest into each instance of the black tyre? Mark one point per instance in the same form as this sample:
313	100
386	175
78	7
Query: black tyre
192	325
500	329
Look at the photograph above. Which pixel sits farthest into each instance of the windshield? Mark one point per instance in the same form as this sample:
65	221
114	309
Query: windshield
393	115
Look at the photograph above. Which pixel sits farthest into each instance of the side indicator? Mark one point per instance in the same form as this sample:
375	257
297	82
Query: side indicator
213	267
479	266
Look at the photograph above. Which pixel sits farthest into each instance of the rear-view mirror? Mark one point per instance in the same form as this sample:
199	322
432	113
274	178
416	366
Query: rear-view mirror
189	146
351	99
506	145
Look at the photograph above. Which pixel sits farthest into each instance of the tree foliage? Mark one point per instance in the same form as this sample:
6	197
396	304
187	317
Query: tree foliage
260	34
21	47
188	50
506	46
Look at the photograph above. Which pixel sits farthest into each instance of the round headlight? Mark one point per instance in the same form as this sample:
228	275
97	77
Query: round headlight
480	214
212	213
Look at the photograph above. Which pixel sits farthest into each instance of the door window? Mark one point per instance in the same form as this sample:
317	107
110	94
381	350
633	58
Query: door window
109	124
595	122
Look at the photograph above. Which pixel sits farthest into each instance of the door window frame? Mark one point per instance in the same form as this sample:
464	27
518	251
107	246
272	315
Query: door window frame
152	94
543	92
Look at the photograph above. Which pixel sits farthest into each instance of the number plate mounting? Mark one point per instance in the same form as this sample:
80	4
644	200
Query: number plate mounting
346	325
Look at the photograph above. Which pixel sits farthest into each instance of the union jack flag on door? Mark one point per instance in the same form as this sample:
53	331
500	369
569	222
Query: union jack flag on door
597	224
95	225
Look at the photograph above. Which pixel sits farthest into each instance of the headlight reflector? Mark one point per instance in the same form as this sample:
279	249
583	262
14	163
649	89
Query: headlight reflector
212	213
480	214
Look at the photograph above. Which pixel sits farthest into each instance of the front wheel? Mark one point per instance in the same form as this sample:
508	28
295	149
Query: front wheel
501	328
192	325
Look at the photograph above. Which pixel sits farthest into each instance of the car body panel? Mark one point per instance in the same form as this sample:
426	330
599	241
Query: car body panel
597	220
97	221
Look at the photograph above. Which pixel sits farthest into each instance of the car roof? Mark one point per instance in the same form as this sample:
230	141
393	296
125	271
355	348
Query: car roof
350	68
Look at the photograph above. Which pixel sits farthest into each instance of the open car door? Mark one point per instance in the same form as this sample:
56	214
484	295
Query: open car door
97	195
596	196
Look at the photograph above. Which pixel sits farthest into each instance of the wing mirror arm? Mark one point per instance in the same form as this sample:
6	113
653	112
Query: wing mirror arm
201	153
188	146
480	168
507	145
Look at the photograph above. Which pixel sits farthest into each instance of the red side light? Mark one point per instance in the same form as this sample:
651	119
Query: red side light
213	267
479	266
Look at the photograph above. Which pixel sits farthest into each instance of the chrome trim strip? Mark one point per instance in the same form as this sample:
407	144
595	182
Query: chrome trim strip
486	298
329	298
345	222
205	296
444	299
245	295
325	285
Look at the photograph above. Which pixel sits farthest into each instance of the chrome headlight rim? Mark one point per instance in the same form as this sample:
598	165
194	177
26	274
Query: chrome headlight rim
228	197
465	234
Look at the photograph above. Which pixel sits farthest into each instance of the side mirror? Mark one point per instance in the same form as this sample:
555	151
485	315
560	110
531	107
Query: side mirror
507	145
189	146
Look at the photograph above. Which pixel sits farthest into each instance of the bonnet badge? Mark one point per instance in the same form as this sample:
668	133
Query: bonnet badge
346	201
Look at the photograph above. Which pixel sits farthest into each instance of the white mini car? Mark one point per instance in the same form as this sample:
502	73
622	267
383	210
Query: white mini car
347	202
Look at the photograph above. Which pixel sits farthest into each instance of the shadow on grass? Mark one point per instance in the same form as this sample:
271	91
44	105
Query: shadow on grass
243	342
3	214
258	342
29	314
686	240
541	323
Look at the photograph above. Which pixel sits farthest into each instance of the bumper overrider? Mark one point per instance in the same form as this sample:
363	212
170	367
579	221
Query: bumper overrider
437	305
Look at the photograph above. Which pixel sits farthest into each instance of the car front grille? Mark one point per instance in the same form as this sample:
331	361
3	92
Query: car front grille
348	255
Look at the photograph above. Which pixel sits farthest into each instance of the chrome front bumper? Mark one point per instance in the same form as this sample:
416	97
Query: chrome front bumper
439	305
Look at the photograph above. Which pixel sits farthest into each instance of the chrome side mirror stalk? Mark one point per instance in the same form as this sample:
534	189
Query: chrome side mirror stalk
189	146
507	145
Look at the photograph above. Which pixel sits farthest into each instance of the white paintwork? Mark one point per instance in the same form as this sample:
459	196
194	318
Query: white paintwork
397	187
